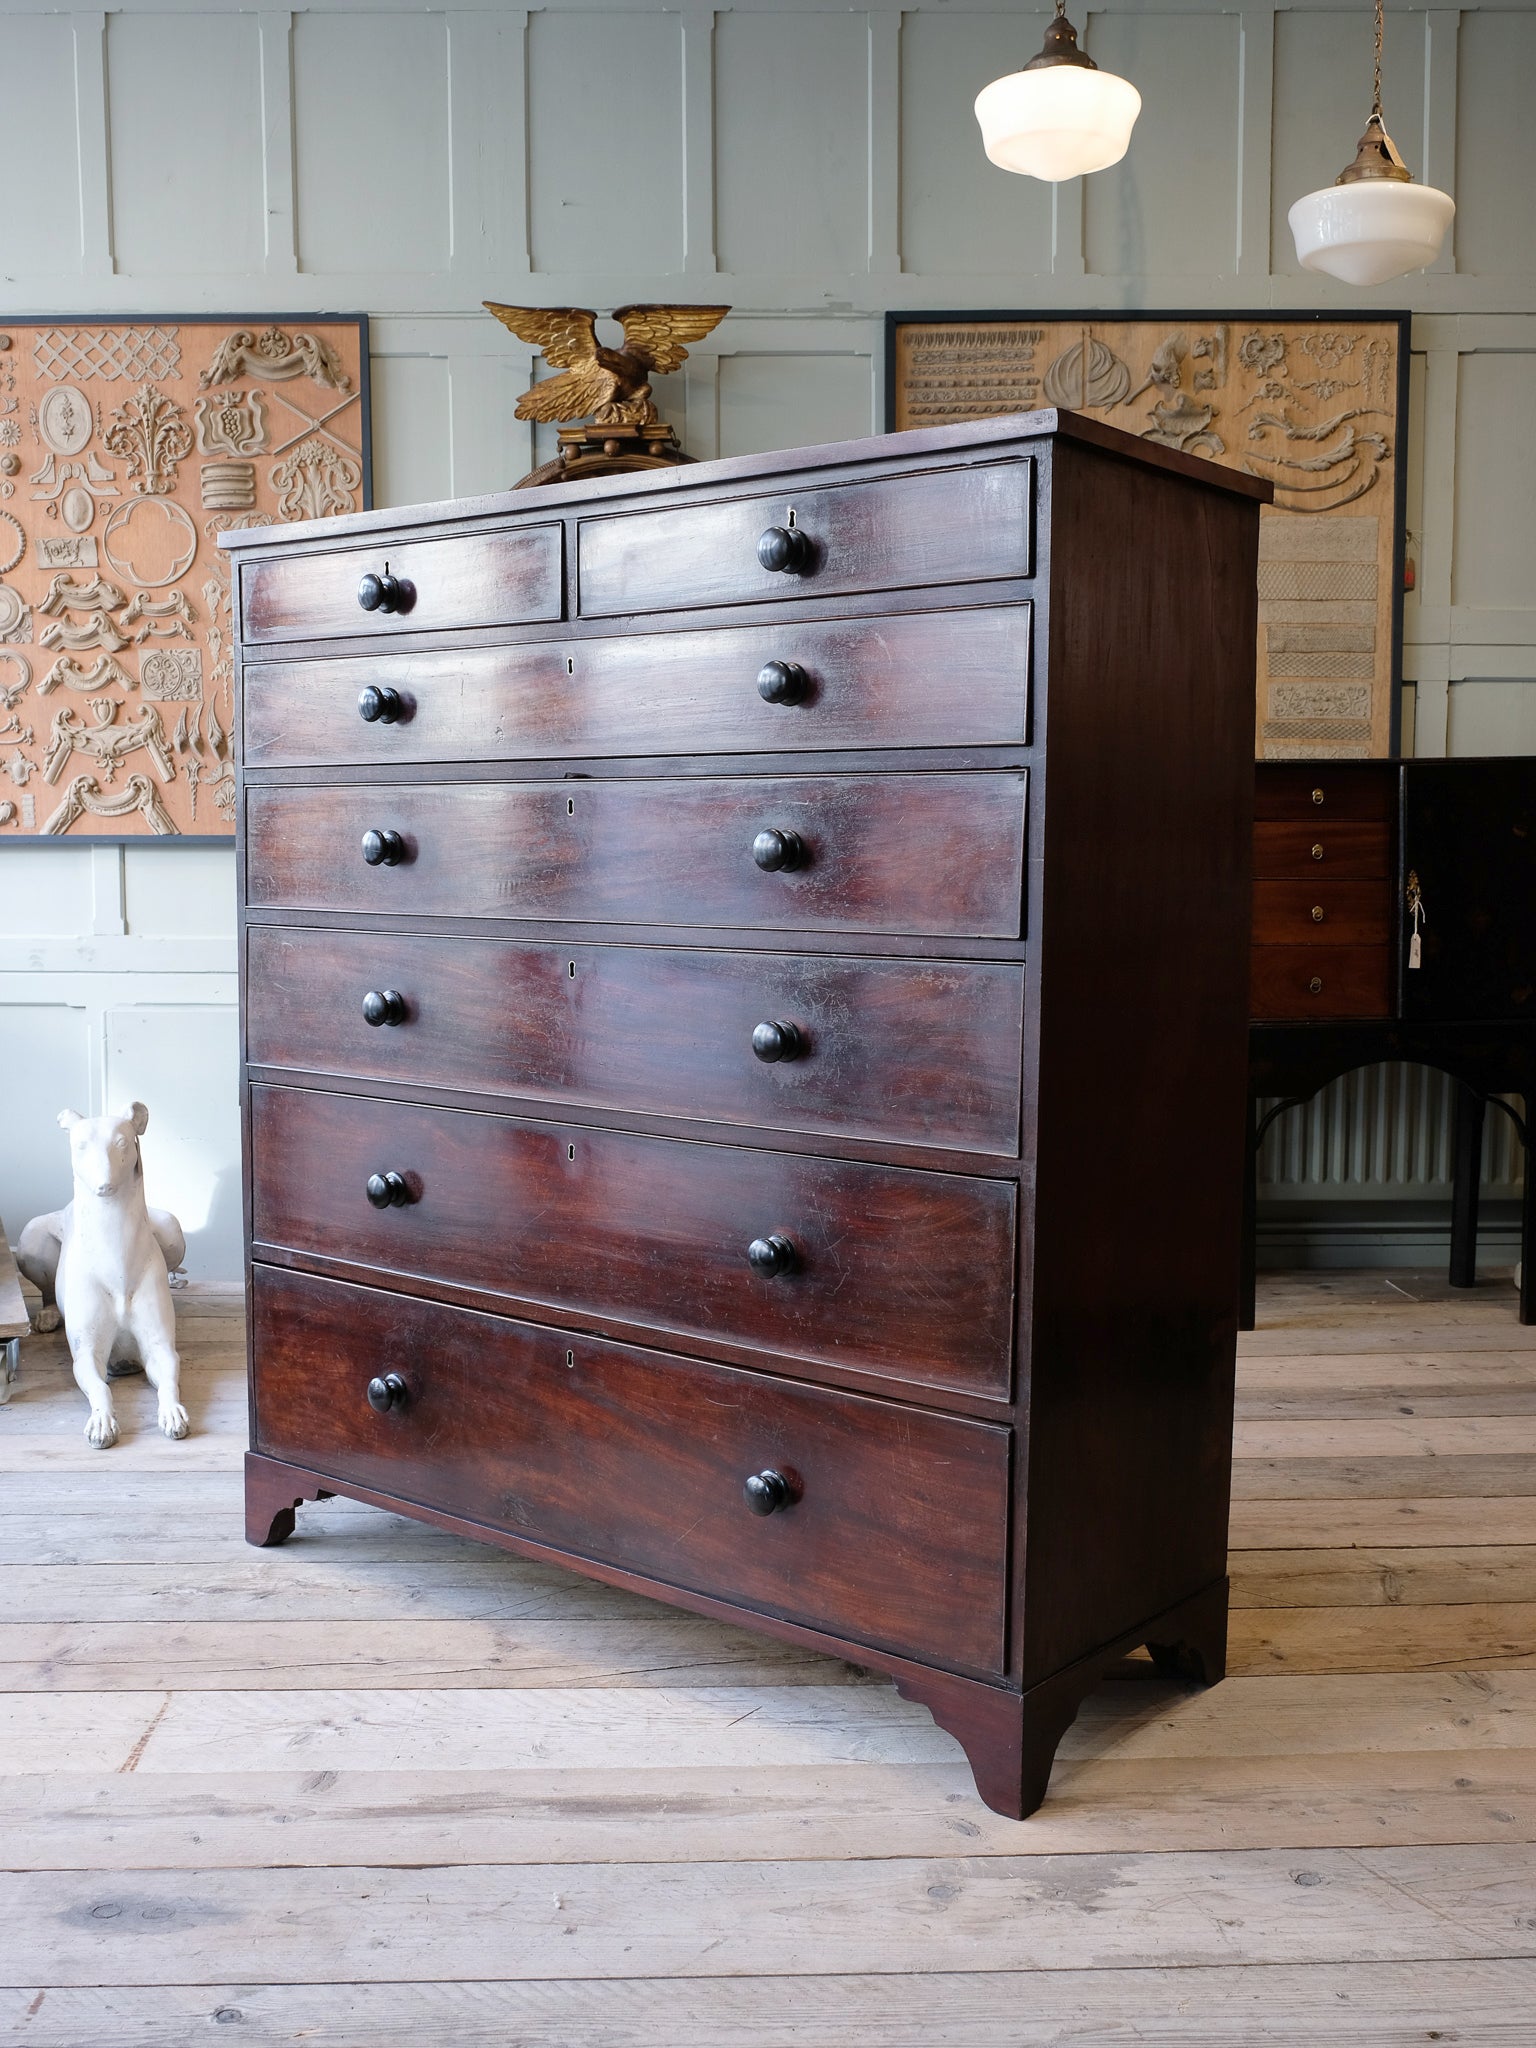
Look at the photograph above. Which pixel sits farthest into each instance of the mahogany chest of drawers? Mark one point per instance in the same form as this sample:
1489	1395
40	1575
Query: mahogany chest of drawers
744	980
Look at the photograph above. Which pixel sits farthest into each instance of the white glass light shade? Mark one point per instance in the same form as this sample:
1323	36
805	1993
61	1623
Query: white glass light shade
1061	121
1371	230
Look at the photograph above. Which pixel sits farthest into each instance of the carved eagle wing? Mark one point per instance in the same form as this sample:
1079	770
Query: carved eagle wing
658	335
568	337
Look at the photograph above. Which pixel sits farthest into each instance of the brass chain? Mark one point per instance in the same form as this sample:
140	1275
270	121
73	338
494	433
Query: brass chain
1376	102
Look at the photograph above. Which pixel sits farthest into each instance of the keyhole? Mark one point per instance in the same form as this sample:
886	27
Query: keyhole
570	1358
570	807
570	665
570	968
789	521
570	1151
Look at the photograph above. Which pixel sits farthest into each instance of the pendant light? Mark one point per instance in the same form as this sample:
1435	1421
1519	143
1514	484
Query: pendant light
1061	116
1372	222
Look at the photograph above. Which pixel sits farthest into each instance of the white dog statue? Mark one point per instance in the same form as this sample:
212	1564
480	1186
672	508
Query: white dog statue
106	1260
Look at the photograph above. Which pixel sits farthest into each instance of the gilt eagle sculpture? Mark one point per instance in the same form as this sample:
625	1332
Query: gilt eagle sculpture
608	388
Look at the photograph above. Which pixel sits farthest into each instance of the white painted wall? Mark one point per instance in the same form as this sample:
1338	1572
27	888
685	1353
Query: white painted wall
812	165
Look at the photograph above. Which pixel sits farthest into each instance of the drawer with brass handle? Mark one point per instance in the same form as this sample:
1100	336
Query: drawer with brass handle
1321	912
832	1508
1333	849
1321	981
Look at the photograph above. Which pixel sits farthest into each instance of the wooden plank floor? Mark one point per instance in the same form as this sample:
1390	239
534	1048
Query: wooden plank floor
384	1789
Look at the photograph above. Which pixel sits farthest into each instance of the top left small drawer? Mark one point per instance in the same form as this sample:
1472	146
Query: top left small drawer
476	579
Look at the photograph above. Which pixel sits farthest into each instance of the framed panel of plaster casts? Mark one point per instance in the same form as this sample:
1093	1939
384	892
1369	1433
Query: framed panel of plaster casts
1317	403
126	448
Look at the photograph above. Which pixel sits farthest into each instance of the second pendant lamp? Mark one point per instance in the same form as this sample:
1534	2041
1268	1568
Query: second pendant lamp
1061	116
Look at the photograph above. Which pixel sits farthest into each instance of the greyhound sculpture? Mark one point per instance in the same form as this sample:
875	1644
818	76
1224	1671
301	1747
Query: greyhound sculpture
106	1261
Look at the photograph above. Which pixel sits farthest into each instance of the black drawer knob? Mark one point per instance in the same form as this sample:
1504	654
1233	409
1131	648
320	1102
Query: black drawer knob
387	1190
385	593
784	549
386	1392
782	682
776	851
772	1256
383	849
777	1041
378	704
384	1006
766	1492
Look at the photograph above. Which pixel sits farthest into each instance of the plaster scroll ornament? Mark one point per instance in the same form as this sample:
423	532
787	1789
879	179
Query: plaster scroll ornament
15	615
13	542
11	694
83	797
102	675
150	541
172	674
150	432
110	353
105	1264
13	729
108	744
231	424
65	420
275	357
99	630
609	388
66	551
7	813
20	768
316	480
66	595
165	618
228	486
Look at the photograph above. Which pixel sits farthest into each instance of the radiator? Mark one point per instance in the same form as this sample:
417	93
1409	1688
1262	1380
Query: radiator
1380	1133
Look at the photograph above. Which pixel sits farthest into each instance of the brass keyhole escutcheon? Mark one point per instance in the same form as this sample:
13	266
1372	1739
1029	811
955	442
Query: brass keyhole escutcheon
1317	913
1317	852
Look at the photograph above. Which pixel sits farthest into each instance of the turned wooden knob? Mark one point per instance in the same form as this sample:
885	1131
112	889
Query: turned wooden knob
386	1392
784	549
775	851
378	704
385	593
768	1492
782	682
384	1006
775	1041
769	1257
383	849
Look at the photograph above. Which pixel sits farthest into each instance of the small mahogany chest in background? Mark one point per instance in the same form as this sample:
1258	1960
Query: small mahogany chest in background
745	975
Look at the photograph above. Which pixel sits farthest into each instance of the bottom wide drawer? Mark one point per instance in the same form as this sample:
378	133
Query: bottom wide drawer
1321	981
870	1520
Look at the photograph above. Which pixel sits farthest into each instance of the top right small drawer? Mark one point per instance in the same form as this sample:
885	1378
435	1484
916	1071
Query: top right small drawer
891	533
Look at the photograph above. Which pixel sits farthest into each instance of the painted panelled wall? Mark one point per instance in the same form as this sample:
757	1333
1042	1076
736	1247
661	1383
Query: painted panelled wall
813	165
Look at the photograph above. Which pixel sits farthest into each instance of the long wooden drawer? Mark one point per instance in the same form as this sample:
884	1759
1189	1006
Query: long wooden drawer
891	533
910	1052
920	679
1321	981
1334	850
462	581
1320	913
886	1271
894	1522
924	855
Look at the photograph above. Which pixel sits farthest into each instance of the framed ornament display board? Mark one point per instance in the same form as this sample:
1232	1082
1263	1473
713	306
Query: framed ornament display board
127	446
1315	402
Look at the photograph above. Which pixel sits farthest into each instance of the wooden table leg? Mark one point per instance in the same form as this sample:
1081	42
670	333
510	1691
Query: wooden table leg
1467	1172
1248	1276
1528	1225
